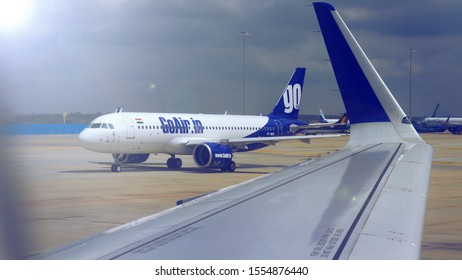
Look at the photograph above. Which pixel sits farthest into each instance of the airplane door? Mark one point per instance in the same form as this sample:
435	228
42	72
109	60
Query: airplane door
130	125
279	128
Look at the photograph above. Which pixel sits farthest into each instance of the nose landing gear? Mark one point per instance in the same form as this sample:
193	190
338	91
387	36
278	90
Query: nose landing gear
118	158
116	167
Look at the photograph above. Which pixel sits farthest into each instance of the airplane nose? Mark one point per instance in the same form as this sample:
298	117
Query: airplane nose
85	139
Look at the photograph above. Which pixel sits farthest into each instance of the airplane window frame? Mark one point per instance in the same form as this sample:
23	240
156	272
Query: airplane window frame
95	125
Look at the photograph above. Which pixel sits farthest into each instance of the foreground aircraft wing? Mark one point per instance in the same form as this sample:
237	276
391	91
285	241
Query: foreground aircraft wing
366	201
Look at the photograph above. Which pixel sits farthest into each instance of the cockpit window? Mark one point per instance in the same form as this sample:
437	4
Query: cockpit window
101	125
95	125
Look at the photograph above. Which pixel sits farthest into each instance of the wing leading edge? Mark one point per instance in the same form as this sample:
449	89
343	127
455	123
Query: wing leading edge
366	201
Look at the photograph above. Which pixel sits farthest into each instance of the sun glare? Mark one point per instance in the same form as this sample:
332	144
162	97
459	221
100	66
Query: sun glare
14	14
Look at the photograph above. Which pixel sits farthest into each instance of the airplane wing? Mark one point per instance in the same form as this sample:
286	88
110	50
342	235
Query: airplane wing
275	139
366	201
266	140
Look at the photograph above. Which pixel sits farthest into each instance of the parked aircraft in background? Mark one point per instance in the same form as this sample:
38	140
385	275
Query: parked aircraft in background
441	120
438	124
211	139
421	127
365	201
341	125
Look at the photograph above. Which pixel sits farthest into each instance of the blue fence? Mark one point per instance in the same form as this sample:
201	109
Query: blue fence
35	129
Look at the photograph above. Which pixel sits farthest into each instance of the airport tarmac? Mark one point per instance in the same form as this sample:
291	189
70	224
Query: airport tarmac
68	193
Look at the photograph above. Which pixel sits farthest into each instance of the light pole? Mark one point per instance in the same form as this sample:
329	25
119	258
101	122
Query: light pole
410	83
243	34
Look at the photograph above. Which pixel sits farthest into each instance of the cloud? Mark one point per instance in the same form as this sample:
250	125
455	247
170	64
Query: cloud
88	56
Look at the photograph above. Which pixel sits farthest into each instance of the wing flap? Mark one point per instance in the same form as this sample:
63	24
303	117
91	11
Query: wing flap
387	233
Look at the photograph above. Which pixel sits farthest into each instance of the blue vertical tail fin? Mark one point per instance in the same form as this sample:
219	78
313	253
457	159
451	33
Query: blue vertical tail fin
374	114
289	102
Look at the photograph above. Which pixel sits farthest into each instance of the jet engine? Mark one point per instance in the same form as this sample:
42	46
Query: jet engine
130	158
214	155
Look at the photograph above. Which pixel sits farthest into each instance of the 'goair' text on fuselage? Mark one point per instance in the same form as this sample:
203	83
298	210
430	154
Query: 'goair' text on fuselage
180	126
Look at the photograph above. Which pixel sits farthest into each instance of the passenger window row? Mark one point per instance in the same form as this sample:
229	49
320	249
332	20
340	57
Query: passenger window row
111	126
211	127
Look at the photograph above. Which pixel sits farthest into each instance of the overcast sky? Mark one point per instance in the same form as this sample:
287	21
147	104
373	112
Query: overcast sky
186	56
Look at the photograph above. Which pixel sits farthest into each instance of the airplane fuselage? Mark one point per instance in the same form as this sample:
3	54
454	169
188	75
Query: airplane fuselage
138	133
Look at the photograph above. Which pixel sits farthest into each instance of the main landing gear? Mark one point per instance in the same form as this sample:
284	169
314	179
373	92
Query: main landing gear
229	168
174	163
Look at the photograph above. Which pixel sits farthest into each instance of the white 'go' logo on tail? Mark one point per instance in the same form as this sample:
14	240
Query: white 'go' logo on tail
292	97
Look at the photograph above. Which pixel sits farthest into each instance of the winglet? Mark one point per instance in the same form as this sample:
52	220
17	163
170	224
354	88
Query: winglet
374	114
289	102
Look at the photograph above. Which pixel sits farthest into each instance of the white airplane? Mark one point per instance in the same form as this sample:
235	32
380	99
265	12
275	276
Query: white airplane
326	126
446	121
365	201
210	138
439	120
342	125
